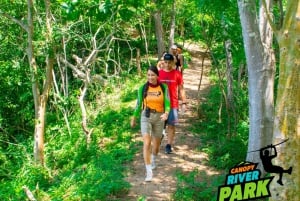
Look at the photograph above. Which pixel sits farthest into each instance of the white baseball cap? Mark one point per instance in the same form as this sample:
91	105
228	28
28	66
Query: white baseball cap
174	47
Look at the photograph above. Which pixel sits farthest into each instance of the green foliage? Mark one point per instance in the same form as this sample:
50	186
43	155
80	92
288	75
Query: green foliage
229	150
16	100
197	185
75	171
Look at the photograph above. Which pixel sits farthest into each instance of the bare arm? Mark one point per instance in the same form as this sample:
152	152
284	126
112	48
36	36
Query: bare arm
182	94
180	57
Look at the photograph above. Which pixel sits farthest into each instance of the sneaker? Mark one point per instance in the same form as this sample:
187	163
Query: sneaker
153	165
149	176
168	149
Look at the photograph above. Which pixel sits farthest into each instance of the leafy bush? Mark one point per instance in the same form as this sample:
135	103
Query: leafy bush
229	149
197	185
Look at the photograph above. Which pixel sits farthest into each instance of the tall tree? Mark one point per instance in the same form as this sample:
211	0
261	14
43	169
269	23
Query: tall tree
286	118
261	65
159	33
41	76
40	94
173	24
287	111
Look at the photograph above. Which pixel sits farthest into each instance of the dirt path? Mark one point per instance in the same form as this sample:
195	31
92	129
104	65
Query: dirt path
184	158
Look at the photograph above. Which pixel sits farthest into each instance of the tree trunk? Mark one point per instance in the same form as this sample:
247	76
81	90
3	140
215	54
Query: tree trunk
159	33
173	24
266	35
287	117
138	61
84	123
230	100
40	100
258	81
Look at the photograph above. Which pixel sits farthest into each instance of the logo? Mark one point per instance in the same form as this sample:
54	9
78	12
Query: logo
244	183
154	93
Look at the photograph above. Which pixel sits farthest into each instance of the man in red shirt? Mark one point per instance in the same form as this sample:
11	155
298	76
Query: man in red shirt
173	79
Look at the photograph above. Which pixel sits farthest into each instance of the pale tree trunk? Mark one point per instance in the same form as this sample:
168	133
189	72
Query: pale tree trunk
258	81
229	96
144	35
287	111
138	61
173	24
266	35
159	33
40	99
84	124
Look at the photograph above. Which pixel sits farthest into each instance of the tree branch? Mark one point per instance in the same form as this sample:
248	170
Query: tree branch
268	14
29	193
22	25
78	73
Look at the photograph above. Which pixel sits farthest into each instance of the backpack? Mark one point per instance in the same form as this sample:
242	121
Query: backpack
184	62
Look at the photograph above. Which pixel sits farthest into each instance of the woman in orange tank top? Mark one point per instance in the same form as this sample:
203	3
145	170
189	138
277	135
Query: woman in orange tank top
153	104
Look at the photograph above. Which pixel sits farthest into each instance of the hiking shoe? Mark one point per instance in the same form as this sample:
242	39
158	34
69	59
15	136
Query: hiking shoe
149	176
168	149
153	165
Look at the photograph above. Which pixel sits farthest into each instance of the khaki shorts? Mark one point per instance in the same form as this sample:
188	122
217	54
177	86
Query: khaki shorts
152	125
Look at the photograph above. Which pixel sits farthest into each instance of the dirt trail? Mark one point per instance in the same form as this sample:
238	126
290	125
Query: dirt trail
184	158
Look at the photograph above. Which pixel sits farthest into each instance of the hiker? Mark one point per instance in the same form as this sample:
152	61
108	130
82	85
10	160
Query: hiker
161	63
173	79
178	58
182	61
153	99
266	158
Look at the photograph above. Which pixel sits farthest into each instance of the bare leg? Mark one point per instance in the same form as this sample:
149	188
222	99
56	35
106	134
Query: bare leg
155	145
171	134
147	155
147	148
155	149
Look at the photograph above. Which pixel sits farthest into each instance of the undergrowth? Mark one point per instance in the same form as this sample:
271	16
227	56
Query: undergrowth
224	150
74	170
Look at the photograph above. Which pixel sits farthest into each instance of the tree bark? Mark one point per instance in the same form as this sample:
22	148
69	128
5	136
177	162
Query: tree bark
138	61
173	24
266	35
29	194
159	33
259	81
230	100
287	111
40	99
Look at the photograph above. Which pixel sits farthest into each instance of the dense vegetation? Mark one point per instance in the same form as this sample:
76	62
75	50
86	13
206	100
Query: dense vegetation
75	170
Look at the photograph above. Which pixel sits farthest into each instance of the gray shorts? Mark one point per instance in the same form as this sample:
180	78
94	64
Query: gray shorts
152	125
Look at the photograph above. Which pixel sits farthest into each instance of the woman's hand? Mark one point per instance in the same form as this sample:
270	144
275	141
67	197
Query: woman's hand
164	116
132	122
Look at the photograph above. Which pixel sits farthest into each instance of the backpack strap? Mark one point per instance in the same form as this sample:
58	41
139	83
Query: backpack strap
144	93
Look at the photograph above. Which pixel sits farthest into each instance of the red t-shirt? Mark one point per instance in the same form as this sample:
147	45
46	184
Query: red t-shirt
173	79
